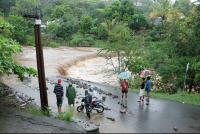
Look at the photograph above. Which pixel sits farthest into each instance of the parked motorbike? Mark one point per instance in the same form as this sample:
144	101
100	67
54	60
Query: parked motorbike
95	105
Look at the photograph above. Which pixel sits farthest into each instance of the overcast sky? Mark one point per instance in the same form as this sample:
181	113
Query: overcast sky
190	0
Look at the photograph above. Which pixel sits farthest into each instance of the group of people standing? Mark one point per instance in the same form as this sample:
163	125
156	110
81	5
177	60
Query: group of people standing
70	94
145	85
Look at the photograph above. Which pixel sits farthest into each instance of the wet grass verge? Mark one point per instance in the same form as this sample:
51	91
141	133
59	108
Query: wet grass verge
66	116
180	96
37	111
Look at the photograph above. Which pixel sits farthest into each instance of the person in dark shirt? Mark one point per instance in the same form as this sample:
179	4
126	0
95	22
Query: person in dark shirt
148	88
141	94
88	102
58	90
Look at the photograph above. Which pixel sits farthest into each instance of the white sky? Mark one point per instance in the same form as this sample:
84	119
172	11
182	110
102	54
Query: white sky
190	0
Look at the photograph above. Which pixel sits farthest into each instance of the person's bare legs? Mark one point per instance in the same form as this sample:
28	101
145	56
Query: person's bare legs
122	100
148	95
140	98
125	100
59	109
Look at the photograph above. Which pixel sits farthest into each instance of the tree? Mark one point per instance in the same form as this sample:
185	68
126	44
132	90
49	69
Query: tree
160	8
183	6
179	47
137	22
5	5
60	10
8	48
119	36
25	7
100	32
121	10
21	28
85	24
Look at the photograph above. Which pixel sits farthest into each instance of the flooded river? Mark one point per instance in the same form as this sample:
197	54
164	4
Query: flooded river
81	63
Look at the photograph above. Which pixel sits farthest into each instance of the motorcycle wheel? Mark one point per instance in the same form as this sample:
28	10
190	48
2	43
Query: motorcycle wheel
80	108
100	109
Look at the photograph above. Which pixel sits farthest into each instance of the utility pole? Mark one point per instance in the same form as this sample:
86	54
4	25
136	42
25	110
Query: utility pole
40	62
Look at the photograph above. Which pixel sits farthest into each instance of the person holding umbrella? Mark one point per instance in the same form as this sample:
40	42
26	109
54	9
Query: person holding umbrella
124	89
124	76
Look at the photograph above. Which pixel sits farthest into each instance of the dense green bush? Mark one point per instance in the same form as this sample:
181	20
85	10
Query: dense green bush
82	40
137	22
100	32
85	24
8	48
22	30
53	44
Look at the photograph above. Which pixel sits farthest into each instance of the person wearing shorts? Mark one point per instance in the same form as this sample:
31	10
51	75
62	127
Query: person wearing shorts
148	88
58	90
141	93
59	101
124	89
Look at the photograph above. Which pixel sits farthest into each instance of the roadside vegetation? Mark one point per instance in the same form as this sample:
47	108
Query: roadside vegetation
158	35
67	115
180	96
34	110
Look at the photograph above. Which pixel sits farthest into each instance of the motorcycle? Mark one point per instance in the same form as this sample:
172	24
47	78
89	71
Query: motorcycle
95	105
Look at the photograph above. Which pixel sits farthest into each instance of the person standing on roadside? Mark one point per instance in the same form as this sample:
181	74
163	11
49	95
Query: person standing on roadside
141	93
88	102
124	89
148	88
70	94
58	90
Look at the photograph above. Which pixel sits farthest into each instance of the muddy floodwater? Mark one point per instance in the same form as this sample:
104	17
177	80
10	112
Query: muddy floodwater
81	63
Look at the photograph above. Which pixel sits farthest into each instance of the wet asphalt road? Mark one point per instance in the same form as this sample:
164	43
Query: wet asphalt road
161	116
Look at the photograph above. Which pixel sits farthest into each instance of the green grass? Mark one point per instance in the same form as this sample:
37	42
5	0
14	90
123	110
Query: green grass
99	44
183	97
37	111
66	116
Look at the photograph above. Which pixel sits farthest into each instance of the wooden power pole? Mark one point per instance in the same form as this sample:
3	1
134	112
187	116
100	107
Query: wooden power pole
40	62
40	66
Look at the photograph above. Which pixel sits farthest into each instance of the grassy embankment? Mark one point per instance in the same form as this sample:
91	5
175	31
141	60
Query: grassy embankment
180	96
